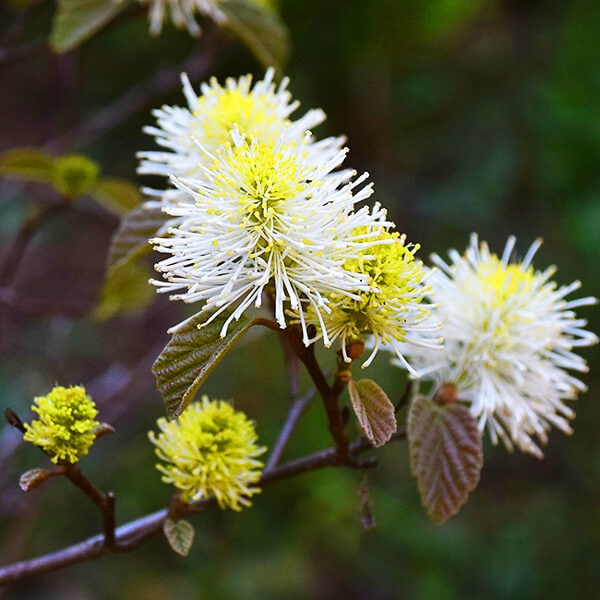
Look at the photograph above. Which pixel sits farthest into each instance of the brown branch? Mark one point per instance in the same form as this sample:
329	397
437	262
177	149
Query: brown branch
104	502
13	419
292	367
127	537
404	400
198	66
29	228
290	358
132	534
296	411
329	394
268	323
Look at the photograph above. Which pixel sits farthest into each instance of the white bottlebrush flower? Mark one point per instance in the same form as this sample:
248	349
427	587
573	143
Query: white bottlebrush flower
182	13
260	111
509	334
266	217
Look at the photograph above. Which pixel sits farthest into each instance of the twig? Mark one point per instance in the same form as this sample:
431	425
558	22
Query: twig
159	83
292	367
405	396
104	502
13	419
296	411
289	356
268	323
29	228
330	395
132	534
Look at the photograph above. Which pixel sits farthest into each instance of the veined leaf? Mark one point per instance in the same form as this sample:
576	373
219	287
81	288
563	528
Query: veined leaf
77	20
118	195
259	28
29	164
180	535
131	238
373	409
193	352
445	455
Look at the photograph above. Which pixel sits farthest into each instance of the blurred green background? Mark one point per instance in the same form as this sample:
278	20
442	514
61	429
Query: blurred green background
470	116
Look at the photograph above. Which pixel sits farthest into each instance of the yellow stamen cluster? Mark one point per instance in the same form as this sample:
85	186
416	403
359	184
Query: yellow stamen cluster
265	176
210	452
65	428
503	289
503	281
222	110
393	305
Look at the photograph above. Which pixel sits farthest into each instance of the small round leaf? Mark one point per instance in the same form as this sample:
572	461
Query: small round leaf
180	535
373	409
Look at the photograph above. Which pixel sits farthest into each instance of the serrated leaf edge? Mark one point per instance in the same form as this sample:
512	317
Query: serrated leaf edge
369	418
179	373
423	438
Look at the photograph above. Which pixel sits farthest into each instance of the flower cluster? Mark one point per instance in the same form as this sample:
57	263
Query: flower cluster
509	335
66	424
210	452
261	207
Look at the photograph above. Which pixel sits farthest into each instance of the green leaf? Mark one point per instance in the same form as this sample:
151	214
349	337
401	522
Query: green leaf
446	455
259	28
125	290
77	20
180	535
29	164
374	411
35	477
194	351
131	238
118	195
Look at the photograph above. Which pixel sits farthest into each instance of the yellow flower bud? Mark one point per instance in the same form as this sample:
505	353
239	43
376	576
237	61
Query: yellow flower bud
65	427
